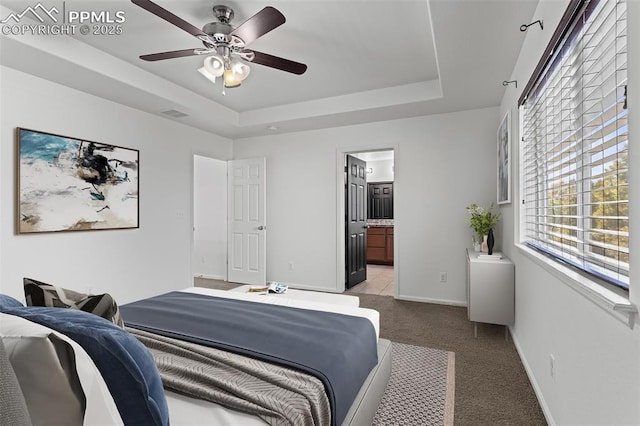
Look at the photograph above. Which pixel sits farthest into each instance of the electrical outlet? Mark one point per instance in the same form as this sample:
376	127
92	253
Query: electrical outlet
443	277
291	265
552	367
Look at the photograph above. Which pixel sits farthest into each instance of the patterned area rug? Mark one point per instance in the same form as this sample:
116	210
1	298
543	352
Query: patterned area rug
421	388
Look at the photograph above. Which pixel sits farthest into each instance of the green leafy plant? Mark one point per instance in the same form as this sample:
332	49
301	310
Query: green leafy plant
481	219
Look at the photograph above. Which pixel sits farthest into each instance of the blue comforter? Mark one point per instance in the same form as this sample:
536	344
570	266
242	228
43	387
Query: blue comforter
339	349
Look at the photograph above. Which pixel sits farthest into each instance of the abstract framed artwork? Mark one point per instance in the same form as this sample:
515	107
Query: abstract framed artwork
69	184
504	158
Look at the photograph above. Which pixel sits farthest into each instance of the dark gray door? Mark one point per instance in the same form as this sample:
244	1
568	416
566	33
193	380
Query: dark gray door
381	200
356	221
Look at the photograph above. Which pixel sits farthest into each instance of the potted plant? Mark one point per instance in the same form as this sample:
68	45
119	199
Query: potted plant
482	221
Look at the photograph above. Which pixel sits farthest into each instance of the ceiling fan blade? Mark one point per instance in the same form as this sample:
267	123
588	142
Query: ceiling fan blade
274	62
259	24
169	55
171	18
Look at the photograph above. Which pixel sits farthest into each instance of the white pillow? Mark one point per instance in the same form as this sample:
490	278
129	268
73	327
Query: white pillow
49	388
54	388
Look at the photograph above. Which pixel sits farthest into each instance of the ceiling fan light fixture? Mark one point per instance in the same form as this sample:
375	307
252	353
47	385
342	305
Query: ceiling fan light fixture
205	73
214	65
239	69
231	79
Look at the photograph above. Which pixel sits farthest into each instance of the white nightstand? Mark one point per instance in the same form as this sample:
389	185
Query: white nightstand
490	290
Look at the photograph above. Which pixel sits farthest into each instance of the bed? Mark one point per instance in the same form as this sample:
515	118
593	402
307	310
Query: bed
99	402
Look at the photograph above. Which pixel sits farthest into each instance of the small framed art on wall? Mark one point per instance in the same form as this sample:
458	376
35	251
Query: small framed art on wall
504	160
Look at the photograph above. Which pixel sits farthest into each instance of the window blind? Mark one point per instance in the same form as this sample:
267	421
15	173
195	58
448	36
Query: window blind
574	145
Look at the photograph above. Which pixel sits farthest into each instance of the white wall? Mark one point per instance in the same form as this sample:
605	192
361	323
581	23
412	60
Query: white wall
441	167
597	355
209	218
382	170
130	264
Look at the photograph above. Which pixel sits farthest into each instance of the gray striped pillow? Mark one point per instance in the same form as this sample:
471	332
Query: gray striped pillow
41	294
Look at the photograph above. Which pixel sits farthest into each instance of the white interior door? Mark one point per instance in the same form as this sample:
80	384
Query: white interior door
246	221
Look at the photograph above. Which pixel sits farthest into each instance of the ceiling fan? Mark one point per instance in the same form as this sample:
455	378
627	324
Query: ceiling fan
224	45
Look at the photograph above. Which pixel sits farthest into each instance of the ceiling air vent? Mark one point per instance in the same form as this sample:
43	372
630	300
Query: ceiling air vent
174	113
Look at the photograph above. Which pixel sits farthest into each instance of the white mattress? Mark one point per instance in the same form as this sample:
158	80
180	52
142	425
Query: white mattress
185	411
313	296
192	412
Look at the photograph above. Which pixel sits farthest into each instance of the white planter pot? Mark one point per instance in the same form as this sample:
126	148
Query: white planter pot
483	247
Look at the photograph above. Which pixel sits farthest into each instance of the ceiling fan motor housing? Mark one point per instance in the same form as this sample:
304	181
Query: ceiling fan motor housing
218	31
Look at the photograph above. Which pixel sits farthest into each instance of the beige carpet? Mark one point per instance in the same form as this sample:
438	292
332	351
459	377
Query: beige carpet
421	388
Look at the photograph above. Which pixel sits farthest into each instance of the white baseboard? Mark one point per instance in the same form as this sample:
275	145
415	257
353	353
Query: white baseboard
435	301
210	277
534	383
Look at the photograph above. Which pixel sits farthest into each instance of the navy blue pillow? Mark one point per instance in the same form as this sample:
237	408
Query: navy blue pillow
9	302
125	364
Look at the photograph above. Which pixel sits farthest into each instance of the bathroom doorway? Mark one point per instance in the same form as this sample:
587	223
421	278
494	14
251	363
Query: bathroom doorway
380	264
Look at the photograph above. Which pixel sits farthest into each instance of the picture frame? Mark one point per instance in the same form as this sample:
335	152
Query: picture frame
71	184
504	160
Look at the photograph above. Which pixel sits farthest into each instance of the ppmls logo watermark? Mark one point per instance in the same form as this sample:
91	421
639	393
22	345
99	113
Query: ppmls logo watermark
57	20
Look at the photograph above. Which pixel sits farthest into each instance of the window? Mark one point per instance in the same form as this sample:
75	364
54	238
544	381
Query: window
574	144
